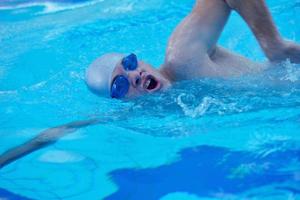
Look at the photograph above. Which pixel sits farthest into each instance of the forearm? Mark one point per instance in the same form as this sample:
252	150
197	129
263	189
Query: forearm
258	18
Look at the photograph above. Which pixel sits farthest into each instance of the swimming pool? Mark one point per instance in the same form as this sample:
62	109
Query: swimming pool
202	139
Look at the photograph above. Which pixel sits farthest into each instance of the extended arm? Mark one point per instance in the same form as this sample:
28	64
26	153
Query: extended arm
258	18
44	139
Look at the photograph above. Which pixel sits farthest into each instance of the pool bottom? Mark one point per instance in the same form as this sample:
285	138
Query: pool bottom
7	195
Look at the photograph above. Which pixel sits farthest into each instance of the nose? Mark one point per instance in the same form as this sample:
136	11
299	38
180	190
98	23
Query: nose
135	78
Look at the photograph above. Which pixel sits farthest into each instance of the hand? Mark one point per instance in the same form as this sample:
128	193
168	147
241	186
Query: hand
292	51
285	50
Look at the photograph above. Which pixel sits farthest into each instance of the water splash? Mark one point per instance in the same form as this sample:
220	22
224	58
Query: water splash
292	72
197	111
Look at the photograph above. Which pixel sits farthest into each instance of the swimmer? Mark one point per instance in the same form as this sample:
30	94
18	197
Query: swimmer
192	52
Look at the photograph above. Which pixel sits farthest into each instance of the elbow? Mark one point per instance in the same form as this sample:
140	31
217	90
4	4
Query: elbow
233	4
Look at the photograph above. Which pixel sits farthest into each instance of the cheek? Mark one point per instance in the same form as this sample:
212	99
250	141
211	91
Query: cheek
133	92
150	70
144	66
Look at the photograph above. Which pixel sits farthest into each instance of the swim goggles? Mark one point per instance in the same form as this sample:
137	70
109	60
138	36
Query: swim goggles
120	84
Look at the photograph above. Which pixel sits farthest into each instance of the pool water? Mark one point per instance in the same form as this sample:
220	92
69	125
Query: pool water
202	139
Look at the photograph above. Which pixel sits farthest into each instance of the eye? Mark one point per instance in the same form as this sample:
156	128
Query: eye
130	62
120	87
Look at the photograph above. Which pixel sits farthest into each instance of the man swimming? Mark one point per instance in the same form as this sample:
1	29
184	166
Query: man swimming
192	52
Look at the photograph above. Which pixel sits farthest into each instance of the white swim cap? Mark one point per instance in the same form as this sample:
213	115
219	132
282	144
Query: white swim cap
98	74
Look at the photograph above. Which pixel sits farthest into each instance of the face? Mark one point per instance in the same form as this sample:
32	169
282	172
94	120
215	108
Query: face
141	79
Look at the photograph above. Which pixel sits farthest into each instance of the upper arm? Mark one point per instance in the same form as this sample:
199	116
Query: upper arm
198	33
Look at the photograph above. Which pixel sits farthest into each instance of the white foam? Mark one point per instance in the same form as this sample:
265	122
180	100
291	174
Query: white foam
200	110
120	9
50	7
20	6
292	72
56	7
206	103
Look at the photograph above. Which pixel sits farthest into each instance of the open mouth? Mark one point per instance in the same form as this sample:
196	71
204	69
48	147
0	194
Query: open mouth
151	83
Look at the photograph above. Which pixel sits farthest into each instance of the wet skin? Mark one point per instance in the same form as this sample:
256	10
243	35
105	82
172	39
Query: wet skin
144	79
192	51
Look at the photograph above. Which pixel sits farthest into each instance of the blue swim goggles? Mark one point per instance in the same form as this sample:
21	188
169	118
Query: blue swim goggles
120	85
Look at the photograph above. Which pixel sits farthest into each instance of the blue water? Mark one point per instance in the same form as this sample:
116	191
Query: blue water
202	139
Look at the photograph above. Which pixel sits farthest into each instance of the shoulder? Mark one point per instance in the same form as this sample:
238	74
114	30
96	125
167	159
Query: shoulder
180	67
